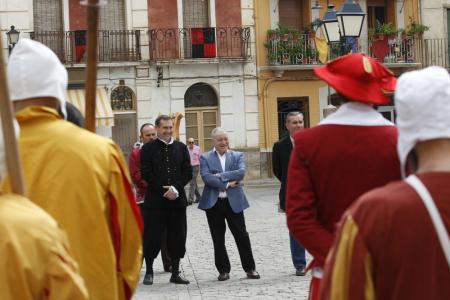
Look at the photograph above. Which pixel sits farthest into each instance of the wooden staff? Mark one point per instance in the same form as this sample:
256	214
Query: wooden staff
91	69
6	112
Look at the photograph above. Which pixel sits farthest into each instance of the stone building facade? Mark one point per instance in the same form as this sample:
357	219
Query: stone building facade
195	57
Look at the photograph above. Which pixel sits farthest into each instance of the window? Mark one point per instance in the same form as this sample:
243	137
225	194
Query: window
375	14
195	13
112	15
200	94
123	99
382	11
47	15
293	13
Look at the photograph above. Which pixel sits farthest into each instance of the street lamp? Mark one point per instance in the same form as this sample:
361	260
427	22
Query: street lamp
13	37
351	19
339	26
331	25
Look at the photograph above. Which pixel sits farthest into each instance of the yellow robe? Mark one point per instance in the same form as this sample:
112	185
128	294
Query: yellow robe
35	261
81	180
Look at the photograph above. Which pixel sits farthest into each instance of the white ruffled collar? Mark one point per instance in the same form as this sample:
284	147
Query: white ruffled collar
358	114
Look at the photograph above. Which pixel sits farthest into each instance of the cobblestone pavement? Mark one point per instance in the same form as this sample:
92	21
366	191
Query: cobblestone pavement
270	243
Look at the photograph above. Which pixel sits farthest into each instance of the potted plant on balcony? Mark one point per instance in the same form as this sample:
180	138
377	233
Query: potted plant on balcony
416	29
379	37
383	30
285	33
312	28
309	55
272	34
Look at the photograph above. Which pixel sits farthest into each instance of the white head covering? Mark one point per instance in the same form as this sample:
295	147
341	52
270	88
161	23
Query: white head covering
422	101
35	71
3	166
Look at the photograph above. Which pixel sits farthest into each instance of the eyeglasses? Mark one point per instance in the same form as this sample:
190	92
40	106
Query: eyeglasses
190	142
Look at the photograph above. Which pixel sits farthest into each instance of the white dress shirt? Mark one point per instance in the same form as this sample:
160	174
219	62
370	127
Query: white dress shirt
222	159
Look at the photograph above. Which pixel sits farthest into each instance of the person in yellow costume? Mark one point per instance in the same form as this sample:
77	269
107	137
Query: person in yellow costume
78	177
35	260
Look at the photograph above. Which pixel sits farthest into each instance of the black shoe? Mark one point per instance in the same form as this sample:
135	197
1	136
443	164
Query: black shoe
223	276
253	275
168	269
148	279
300	271
178	279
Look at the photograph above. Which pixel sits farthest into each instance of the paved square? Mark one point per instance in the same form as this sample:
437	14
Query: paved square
270	242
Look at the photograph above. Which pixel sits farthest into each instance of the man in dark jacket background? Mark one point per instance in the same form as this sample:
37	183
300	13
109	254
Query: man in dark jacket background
280	162
165	165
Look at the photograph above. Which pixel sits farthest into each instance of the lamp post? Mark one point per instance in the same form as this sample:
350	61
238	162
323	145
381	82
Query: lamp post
339	26
13	38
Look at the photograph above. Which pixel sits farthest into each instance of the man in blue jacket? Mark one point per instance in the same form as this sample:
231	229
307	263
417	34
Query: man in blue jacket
223	198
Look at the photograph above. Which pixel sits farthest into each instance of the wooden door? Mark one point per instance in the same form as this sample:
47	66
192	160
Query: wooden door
199	124
124	131
286	105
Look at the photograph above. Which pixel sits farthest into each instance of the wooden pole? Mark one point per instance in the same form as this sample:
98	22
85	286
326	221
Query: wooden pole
11	149
91	69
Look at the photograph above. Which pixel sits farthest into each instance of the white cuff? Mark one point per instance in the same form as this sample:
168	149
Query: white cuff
174	190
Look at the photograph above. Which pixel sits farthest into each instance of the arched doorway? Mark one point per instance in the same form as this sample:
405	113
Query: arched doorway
123	103
202	114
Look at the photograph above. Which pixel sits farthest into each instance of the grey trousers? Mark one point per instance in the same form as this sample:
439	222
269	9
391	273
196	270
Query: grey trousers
193	188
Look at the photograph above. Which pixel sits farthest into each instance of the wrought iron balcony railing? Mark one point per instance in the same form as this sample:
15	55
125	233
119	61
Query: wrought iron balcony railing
113	45
196	43
289	49
302	49
396	49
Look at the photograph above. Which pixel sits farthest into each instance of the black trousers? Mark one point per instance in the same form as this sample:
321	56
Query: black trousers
164	252
169	221
216	216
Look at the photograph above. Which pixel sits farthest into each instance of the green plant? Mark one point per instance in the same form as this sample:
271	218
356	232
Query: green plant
415	27
284	45
383	29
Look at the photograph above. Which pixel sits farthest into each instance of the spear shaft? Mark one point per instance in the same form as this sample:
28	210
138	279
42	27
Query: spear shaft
11	149
91	69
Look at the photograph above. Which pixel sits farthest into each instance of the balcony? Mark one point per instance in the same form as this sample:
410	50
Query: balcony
113	45
397	51
297	51
199	44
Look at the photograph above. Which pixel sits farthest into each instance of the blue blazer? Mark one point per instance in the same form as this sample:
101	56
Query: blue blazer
234	171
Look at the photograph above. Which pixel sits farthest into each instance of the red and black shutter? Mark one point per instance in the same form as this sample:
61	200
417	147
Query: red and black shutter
80	44
203	42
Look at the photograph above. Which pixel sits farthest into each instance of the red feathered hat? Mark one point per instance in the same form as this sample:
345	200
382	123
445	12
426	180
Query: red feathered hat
359	78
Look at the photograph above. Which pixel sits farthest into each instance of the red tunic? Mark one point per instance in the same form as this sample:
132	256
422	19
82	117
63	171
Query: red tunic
392	246
134	164
330	167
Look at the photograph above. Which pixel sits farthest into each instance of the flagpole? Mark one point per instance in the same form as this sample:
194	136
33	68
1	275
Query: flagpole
11	149
91	69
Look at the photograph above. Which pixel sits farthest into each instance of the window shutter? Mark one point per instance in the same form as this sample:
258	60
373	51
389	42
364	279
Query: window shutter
47	15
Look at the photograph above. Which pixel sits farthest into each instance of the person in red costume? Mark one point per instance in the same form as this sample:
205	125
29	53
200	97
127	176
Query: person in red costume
349	153
387	229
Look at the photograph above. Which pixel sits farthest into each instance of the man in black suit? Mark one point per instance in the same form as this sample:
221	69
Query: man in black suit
166	167
280	163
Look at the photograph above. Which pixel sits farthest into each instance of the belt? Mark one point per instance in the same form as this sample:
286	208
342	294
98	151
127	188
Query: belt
219	198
